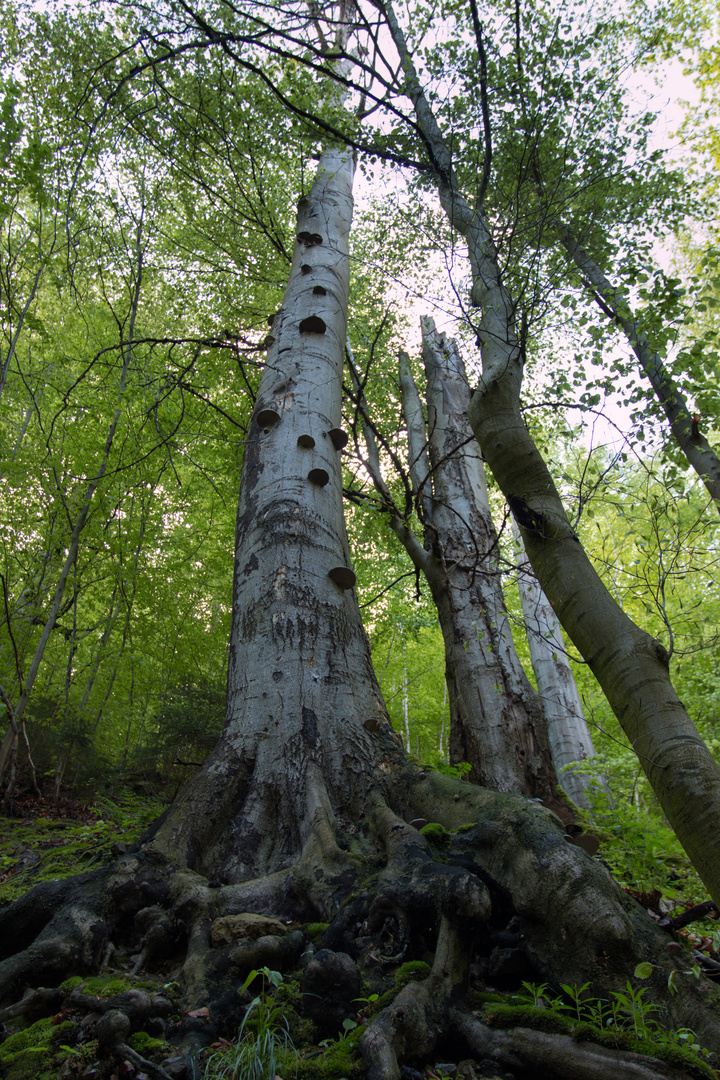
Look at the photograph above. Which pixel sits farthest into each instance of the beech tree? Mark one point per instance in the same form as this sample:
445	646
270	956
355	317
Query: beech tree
309	808
497	723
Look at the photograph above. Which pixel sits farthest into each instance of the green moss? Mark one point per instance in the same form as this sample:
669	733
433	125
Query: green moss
43	1033
341	1060
316	929
34	1054
504	1016
70	984
413	971
107	985
38	1034
67	847
148	1046
436	834
34	1063
680	1056
477	998
466	828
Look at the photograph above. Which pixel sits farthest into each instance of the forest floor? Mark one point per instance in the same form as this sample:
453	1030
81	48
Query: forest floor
58	1039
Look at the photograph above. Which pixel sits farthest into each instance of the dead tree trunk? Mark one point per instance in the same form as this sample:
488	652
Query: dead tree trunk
496	720
568	732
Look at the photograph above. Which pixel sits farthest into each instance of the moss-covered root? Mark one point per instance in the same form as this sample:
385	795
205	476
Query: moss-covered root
531	1053
413	882
415	888
411	1026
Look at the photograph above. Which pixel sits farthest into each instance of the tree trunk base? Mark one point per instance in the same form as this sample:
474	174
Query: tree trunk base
490	896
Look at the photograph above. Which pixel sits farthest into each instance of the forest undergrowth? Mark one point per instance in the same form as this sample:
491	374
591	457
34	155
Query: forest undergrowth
280	1036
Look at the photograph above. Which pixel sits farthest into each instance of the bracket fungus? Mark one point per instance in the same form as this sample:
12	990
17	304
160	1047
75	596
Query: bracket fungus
309	239
319	477
306	442
268	418
313	325
342	576
338	438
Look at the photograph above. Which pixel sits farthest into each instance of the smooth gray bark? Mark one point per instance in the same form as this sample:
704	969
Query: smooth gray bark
568	732
304	708
631	667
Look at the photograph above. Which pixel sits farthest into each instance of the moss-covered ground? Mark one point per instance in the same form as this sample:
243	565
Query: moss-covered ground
45	840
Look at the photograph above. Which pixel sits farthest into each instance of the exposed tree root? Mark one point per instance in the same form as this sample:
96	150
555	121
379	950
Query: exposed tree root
504	900
540	1054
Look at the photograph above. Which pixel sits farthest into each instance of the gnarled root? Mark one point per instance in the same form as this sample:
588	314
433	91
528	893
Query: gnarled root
418	1017
506	885
415	888
539	1054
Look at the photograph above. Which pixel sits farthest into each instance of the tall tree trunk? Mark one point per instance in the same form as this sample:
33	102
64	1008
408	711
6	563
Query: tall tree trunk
496	718
497	721
568	732
631	667
300	681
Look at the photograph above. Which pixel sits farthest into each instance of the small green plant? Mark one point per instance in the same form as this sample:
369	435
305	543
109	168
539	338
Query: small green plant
644	971
263	1046
575	994
630	1009
458	771
626	1013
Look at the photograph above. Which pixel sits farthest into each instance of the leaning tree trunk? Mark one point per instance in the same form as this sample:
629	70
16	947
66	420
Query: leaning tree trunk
568	732
673	402
631	666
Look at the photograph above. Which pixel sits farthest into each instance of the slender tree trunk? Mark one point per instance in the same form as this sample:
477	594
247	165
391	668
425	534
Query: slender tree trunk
631	666
673	402
497	722
568	732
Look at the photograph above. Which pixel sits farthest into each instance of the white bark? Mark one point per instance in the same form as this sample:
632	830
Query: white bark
568	732
305	717
497	723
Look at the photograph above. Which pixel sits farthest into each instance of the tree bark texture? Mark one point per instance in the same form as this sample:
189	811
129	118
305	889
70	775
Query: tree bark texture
631	667
301	685
497	720
568	732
